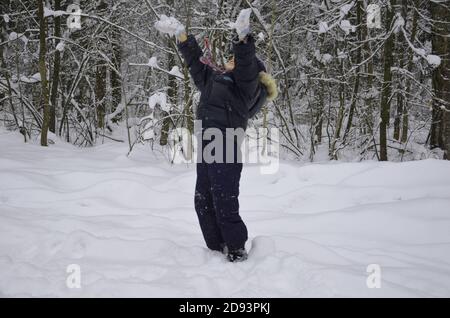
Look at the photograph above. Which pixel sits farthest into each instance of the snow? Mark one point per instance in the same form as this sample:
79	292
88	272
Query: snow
347	27
261	36
49	12
323	58
399	23
159	98
323	27
345	9
60	47
341	54
242	24
6	18
31	79
326	58
169	25
153	62
434	60
420	52
175	71
148	132
13	36
130	224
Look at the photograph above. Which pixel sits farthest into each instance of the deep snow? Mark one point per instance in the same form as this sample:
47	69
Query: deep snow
130	224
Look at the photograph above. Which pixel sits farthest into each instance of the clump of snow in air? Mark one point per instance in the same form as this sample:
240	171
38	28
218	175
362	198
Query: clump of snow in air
323	58
347	27
434	60
153	62
399	23
323	27
242	24
175	71
13	36
169	25
326	58
130	224
160	99
31	79
60	46
345	9
261	36
6	18
49	12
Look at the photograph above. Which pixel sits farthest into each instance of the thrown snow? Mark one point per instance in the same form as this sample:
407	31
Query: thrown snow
261	36
159	98
129	222
169	25
153	62
175	71
347	27
31	79
60	46
323	27
13	36
323	58
242	24
399	23
55	13
434	60
345	9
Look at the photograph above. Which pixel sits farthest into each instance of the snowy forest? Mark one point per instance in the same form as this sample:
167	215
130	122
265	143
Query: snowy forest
100	193
349	88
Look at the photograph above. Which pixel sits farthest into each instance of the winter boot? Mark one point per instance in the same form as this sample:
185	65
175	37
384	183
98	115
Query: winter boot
239	255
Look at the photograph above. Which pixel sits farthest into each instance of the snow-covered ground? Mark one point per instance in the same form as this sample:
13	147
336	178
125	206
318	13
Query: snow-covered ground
129	223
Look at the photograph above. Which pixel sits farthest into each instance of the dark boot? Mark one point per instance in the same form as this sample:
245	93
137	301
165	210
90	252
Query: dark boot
239	255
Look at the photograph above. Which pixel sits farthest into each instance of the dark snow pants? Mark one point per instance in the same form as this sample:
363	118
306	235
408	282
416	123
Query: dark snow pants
217	205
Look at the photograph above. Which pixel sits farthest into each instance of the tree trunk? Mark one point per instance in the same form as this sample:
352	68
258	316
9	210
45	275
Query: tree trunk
405	126
44	101
387	83
399	116
100	80
339	120
115	79
172	98
318	121
440	130
100	93
358	62
56	69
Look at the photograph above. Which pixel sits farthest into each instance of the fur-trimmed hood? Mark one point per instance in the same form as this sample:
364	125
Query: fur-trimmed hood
271	85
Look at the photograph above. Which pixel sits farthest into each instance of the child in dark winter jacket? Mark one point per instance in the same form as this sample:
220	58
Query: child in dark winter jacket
226	98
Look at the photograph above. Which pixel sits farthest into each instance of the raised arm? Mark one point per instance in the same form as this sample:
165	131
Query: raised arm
191	52
246	71
188	47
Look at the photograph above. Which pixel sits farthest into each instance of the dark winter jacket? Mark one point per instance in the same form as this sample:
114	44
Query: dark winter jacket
225	98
